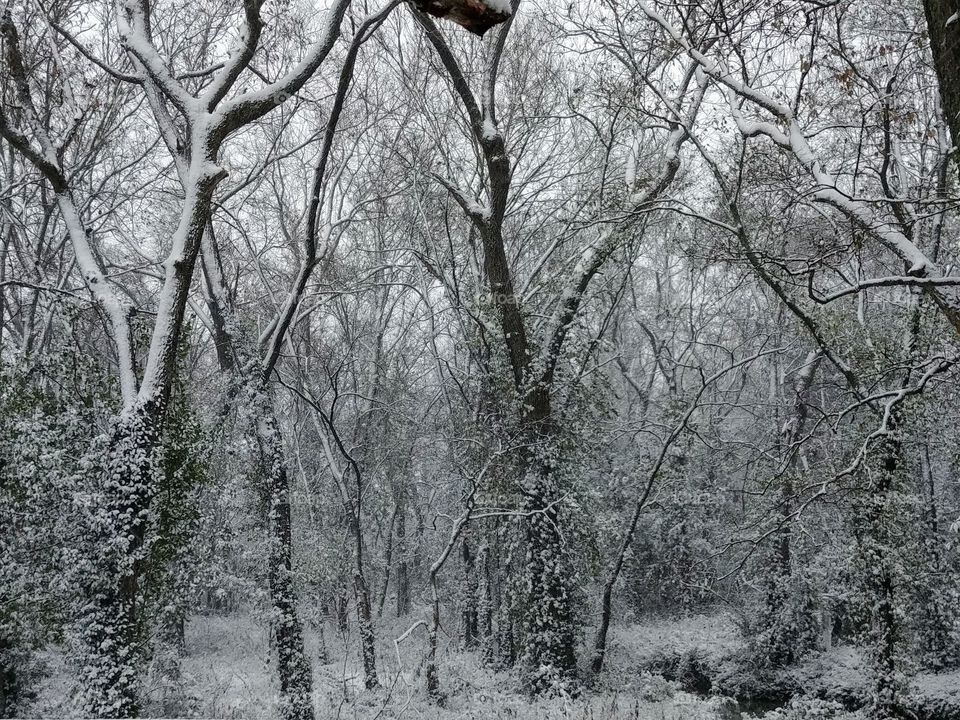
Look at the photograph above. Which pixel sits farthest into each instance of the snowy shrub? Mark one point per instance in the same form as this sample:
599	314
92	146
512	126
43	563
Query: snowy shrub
808	709
786	623
653	688
936	697
43	435
739	676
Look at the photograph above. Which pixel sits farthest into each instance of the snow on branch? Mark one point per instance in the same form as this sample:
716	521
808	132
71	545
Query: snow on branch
132	23
47	162
477	212
794	140
250	106
891	281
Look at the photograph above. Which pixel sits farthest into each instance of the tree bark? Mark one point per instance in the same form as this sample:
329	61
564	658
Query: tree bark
468	612
783	647
943	25
875	549
365	626
387	561
549	642
403	575
360	590
433	679
484	604
108	626
293	666
296	678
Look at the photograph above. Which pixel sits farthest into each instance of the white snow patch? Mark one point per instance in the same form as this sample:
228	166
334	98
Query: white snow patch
501	6
489	130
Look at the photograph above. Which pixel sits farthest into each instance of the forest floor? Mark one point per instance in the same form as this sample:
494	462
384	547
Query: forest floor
225	673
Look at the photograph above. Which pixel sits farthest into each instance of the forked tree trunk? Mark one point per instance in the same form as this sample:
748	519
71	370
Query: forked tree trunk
108	625
293	666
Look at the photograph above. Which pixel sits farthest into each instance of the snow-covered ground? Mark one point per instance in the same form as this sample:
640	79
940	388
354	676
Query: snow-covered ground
226	674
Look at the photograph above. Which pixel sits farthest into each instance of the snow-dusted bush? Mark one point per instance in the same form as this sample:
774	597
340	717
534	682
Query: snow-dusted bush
809	709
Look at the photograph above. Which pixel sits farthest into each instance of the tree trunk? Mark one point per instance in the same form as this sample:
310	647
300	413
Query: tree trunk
323	656
365	626
548	634
876	552
108	626
935	614
600	640
418	545
387	561
484	604
783	646
506	640
296	679
468	611
943	24
433	679
293	666
342	603
403	576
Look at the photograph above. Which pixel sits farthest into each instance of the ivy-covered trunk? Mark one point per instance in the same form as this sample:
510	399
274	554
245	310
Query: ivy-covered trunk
786	625
108	626
546	624
877	556
484	605
468	601
296	680
544	613
365	625
933	605
293	666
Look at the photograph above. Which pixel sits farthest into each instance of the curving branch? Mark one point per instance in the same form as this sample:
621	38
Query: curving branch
311	256
117	309
794	140
237	112
240	58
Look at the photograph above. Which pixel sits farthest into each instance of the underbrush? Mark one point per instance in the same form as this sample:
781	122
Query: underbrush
688	669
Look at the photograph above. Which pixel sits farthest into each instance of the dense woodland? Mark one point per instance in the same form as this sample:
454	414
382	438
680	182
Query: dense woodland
448	358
